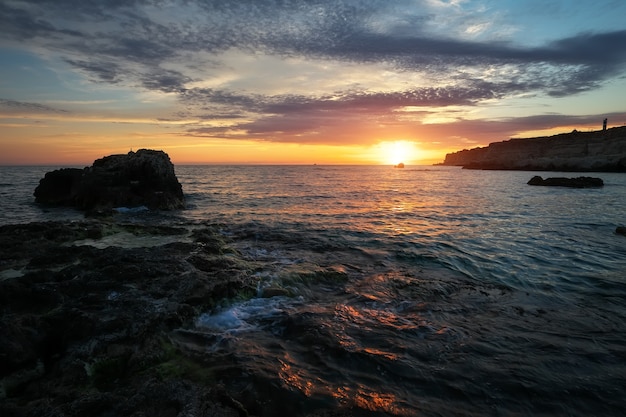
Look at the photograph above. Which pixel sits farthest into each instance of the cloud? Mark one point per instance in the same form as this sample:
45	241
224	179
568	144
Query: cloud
163	46
98	71
14	106
22	24
167	81
142	33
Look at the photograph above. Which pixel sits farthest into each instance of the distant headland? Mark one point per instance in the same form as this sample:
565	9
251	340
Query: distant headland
596	151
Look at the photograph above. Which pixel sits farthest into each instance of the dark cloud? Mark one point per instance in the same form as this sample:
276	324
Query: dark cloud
21	24
165	80
377	102
594	49
358	101
98	71
334	30
13	105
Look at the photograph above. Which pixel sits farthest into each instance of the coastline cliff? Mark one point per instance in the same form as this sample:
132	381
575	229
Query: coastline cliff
597	151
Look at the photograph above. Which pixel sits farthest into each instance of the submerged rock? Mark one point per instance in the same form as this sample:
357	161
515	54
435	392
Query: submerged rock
621	230
142	178
579	182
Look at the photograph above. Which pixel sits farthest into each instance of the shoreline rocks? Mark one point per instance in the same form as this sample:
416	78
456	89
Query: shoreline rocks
89	330
579	182
142	178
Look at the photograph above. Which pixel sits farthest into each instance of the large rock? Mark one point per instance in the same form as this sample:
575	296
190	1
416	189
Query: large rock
579	182
142	178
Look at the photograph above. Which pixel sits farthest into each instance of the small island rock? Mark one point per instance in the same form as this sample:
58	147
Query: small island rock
142	178
579	182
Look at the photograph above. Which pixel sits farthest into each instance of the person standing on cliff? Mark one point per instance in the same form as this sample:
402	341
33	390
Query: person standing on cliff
604	124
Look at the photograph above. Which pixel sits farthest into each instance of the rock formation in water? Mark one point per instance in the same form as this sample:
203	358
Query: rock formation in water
578	182
142	178
599	151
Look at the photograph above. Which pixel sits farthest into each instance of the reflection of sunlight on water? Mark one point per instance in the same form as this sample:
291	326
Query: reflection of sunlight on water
357	348
292	378
360	396
429	319
364	319
367	399
369	317
378	352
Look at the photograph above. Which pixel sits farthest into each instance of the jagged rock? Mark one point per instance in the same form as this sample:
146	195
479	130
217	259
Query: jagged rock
579	182
142	178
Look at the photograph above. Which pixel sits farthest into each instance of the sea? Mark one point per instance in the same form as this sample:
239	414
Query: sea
423	291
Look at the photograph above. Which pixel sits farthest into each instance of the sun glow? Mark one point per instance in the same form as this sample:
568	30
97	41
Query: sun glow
396	152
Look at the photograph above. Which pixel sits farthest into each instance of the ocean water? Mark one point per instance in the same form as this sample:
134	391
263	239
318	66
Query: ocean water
417	291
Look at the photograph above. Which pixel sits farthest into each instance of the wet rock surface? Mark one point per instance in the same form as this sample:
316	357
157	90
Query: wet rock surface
99	318
142	178
86	330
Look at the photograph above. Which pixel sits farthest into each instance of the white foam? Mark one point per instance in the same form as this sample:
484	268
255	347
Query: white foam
10	273
226	320
126	210
245	316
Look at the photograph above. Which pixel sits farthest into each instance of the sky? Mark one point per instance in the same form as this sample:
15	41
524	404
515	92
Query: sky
302	81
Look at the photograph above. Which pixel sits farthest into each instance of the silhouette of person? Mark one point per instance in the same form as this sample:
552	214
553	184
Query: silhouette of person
604	124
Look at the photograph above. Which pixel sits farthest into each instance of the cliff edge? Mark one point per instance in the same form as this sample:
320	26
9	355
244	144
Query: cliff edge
597	151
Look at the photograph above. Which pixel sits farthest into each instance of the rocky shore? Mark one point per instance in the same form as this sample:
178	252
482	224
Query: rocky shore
98	318
597	151
87	327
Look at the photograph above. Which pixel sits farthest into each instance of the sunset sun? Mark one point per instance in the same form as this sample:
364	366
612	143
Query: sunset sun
392	153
